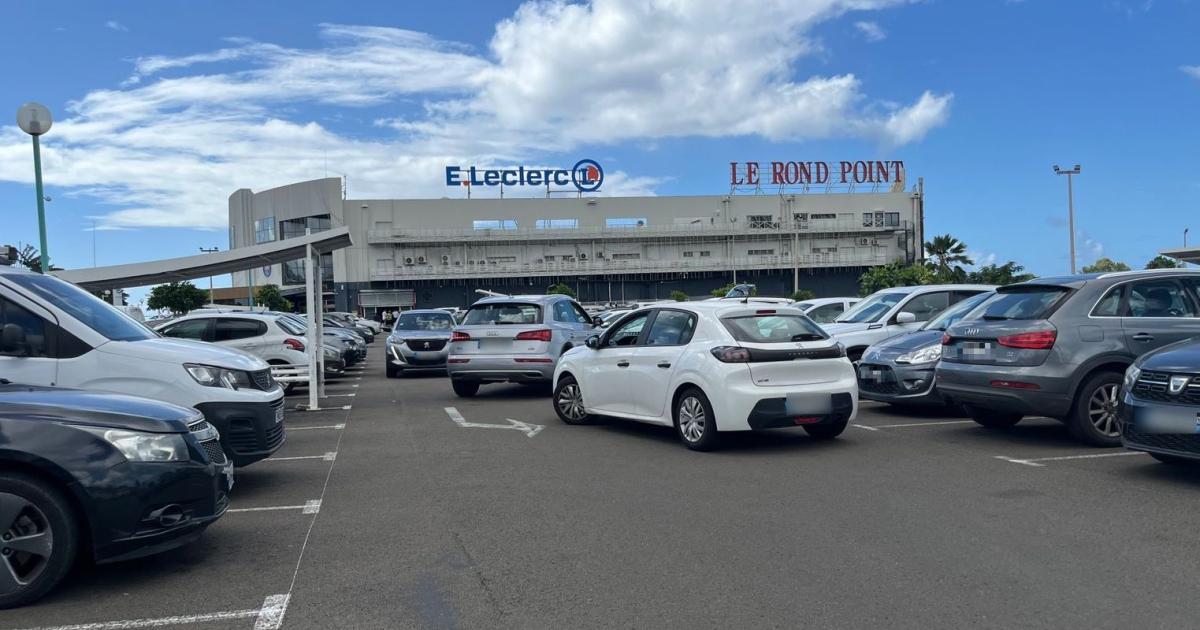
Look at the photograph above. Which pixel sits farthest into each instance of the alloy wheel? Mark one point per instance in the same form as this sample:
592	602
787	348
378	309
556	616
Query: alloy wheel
26	543
691	419
1102	410
570	402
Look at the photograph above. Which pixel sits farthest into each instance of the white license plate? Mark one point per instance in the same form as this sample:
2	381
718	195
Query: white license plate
975	349
869	374
809	404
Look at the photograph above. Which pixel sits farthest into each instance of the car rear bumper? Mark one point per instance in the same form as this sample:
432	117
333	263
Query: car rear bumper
774	413
979	385
533	368
1156	427
740	405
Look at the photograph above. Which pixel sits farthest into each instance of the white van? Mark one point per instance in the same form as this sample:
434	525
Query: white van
53	333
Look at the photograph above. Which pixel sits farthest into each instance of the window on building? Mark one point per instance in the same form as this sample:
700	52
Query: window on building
800	220
495	224
501	259
867	221
705	252
627	256
556	224
292	228
689	254
760	252
892	219
760	221
823	216
293	272
264	230
625	222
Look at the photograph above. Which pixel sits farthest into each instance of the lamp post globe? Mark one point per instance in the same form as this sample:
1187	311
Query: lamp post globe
34	119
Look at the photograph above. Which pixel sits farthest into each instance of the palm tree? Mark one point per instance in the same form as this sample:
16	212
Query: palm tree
946	255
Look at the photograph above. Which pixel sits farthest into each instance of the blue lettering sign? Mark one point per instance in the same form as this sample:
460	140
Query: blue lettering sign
585	176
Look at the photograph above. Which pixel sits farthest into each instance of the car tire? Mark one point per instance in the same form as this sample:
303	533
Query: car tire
695	422
1093	417
993	419
826	431
43	524
568	402
1175	460
465	389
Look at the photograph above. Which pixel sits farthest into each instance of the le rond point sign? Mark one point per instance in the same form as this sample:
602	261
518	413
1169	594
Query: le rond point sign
807	173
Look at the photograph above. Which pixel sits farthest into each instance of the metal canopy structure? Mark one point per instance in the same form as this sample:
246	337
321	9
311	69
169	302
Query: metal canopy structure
308	248
205	265
1186	254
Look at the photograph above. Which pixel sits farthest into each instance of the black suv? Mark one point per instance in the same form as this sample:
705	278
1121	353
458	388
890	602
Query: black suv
107	476
1160	404
1059	347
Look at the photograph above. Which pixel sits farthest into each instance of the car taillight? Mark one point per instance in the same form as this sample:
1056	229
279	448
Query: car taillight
533	335
1041	340
946	339
459	336
731	354
294	344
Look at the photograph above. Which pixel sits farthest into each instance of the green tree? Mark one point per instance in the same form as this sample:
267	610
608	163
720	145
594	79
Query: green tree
177	297
560	289
1105	265
1163	262
894	275
679	296
720	292
268	295
1008	273
803	294
30	258
946	255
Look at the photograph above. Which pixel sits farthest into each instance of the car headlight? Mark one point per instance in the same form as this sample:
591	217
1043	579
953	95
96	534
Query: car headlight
210	376
330	353
395	341
138	446
928	354
1131	376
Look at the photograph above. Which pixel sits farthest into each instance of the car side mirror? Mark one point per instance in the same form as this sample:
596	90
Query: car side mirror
12	338
593	342
904	317
597	321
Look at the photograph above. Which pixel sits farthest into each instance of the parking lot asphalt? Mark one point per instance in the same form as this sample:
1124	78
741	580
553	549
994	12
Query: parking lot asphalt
389	514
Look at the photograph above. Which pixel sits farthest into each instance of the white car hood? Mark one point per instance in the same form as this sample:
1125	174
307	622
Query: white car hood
180	351
836	329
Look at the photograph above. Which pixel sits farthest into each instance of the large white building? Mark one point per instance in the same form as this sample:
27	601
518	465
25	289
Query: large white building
436	252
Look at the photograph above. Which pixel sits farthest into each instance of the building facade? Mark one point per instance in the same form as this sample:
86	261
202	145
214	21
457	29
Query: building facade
436	252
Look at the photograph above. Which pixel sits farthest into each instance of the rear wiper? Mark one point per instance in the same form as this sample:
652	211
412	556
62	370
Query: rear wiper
504	323
807	337
995	318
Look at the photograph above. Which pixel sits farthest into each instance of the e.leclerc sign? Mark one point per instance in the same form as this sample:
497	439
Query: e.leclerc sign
586	175
800	173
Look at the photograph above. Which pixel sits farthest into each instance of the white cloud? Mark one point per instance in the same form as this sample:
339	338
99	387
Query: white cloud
871	31
168	146
1191	71
116	26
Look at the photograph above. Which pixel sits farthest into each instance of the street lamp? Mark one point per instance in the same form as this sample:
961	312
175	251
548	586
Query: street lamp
35	120
1070	207
210	250
1185	231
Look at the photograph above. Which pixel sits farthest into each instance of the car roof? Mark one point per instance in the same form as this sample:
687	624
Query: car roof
1079	279
828	300
242	314
723	307
425	311
924	288
538	299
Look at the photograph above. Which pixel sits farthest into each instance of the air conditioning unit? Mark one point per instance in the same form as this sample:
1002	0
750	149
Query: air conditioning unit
538	261
458	263
445	260
864	241
470	262
599	254
483	262
420	260
582	256
408	260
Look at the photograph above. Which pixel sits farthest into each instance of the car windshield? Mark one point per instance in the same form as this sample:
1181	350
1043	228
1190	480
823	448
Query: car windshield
871	309
1032	302
88	309
950	316
773	328
424	321
503	313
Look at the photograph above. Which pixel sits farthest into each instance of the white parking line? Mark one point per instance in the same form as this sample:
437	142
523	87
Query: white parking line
923	424
272	508
330	456
340	425
1034	461
159	622
863	426
271	615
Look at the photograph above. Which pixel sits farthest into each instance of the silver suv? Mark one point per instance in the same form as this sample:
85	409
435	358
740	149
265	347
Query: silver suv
515	339
1059	347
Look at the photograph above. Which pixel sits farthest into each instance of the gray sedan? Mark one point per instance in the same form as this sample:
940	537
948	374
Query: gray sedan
420	340
899	370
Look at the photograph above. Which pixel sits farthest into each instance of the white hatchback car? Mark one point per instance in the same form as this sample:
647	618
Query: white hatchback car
272	338
707	367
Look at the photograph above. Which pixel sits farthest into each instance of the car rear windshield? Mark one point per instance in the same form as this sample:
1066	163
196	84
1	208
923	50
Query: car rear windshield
503	313
90	310
424	321
773	328
1034	302
290	327
950	316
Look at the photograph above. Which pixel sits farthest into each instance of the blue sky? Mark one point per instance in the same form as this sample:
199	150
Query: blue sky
163	109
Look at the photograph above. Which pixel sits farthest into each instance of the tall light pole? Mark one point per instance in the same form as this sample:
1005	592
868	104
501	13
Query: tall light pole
1185	231
210	250
35	120
1070	207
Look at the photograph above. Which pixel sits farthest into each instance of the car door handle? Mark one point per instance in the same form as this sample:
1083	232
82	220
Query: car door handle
1143	337
622	364
663	364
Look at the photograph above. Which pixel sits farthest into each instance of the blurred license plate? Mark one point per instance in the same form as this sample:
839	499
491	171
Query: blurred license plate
1164	419
975	349
809	404
870	373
